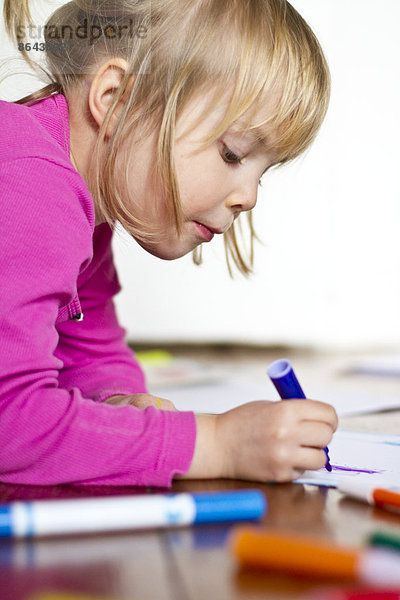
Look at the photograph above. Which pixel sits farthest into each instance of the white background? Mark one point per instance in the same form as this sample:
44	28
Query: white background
328	274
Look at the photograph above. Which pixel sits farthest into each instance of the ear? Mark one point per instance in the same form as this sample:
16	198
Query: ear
102	89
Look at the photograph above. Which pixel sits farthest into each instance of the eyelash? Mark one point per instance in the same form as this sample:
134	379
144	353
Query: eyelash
234	159
230	157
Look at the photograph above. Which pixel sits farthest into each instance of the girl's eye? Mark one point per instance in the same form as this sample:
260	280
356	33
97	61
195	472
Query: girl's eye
229	156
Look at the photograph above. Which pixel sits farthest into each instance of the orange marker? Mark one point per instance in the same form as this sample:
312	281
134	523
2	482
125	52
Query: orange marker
299	555
386	498
366	491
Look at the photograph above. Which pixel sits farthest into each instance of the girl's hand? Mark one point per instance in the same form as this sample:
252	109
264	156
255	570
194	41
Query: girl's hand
141	401
263	441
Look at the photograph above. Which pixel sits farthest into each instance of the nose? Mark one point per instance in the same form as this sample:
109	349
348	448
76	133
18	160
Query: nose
243	199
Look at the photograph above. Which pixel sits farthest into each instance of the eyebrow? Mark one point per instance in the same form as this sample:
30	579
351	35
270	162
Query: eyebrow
258	136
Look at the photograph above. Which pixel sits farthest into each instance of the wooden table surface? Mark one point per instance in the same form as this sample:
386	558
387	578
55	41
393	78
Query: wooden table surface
195	563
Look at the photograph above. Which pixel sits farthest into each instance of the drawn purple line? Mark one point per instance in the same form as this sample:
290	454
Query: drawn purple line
340	468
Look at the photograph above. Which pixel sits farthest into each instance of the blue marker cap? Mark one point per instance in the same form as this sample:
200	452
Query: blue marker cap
5	521
237	505
284	379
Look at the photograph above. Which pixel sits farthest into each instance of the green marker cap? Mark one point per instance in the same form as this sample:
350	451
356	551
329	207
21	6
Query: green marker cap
388	540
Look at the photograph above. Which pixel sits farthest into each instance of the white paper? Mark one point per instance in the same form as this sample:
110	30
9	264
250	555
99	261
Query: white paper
371	455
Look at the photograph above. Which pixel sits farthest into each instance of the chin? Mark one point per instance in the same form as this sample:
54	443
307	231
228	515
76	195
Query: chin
165	253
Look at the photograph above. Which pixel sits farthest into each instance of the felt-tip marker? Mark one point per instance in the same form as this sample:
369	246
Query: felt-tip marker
285	381
370	492
384	539
273	551
88	515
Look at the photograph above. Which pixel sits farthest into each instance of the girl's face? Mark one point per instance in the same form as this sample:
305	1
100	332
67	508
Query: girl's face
216	183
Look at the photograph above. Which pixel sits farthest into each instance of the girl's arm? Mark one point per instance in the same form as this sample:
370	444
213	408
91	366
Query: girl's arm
259	440
94	353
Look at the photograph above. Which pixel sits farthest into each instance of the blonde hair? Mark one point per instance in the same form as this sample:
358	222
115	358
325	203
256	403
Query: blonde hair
259	49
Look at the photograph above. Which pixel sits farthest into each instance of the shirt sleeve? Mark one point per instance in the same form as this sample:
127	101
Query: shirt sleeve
52	434
93	351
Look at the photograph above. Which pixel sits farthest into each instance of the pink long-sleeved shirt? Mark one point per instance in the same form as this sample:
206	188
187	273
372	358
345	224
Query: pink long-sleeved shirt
56	369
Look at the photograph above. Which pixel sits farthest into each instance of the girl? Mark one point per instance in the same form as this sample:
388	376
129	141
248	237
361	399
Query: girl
162	115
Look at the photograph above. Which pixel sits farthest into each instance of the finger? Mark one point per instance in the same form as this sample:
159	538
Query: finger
160	403
314	410
297	473
142	401
287	475
165	404
314	434
309	459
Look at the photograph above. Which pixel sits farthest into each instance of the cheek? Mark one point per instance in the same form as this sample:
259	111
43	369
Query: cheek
199	178
134	181
136	159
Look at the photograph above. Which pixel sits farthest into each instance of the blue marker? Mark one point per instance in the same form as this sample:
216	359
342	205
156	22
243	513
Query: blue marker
284	379
88	515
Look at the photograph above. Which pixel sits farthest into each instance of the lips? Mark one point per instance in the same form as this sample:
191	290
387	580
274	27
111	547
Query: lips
205	232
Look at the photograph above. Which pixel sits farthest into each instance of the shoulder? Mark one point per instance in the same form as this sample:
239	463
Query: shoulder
36	130
35	170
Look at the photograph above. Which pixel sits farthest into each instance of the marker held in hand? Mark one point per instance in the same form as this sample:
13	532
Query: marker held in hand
284	379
